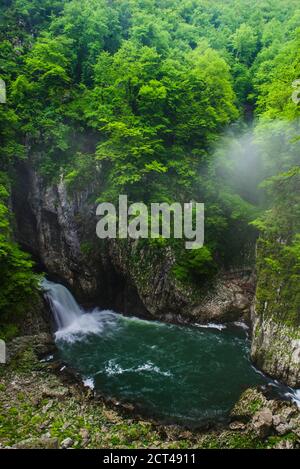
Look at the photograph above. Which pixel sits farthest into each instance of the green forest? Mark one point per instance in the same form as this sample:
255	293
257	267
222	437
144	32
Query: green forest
165	101
144	90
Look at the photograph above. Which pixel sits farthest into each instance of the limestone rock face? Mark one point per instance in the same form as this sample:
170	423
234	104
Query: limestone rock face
276	349
226	298
59	229
276	311
55	227
250	402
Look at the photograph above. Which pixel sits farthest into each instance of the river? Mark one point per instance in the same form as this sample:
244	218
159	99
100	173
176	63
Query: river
179	374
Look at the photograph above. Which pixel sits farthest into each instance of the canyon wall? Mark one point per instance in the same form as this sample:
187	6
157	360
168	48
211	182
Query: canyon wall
133	277
276	311
276	316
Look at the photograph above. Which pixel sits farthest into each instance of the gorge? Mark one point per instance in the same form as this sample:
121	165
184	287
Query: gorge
156	102
188	375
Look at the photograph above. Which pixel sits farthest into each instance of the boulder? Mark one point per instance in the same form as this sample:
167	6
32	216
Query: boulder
37	443
284	444
250	402
262	422
67	443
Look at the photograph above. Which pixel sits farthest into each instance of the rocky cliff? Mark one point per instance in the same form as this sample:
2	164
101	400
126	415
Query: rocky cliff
136	277
58	228
275	317
276	312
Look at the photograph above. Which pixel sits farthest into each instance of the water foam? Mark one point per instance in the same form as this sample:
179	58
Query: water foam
242	325
87	324
89	383
294	395
113	368
211	325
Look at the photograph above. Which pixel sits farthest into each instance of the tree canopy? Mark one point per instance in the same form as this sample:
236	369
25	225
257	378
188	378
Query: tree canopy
137	94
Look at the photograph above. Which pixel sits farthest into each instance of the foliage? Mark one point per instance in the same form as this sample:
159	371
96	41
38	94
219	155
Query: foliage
18	283
196	264
132	96
279	250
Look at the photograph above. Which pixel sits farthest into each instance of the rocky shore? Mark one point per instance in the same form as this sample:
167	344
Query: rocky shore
44	405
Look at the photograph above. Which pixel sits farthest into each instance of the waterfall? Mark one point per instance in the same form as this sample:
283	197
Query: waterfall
64	307
73	322
141	357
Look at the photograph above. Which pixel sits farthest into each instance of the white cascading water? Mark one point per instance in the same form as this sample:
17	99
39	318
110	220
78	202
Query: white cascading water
62	303
73	322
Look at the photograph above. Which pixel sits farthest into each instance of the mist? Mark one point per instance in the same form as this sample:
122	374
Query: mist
244	158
